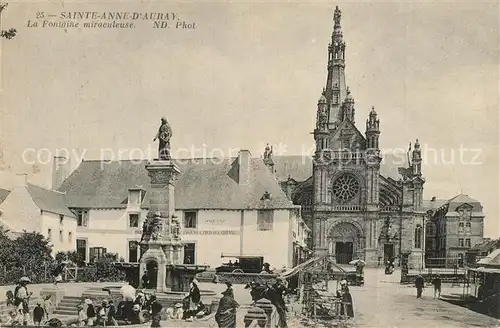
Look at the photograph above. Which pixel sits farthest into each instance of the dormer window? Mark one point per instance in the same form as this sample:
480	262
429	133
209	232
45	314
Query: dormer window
133	220
82	218
134	197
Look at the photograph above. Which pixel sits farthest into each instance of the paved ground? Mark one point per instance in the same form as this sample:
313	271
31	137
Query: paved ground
381	302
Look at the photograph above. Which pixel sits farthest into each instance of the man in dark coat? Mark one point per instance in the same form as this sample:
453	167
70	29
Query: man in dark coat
436	282
419	284
145	279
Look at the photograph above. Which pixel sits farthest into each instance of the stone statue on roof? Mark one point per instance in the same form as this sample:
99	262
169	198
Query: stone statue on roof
164	134
268	152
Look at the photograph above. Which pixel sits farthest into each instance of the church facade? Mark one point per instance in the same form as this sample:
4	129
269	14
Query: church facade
356	211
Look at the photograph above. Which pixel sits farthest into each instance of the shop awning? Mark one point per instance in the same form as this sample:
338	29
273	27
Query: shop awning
485	270
491	259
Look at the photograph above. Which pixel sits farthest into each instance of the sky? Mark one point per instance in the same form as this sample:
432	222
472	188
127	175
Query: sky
248	74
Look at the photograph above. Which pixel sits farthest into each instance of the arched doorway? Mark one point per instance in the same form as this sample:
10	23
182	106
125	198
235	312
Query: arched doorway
152	269
345	242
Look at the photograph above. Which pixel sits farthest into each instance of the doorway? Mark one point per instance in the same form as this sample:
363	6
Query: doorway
343	252
152	269
388	252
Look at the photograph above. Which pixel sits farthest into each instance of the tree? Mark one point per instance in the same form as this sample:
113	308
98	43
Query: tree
10	33
28	255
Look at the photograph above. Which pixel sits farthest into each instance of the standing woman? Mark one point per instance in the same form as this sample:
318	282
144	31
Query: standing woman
194	300
155	312
347	307
226	312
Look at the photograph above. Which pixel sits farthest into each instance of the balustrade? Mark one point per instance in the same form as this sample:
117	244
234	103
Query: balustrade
348	208
390	208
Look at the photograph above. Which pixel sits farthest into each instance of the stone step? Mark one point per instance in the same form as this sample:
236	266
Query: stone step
65	312
76	302
72	298
66	307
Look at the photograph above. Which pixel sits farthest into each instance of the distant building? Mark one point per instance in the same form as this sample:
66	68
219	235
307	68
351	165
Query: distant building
452	227
231	206
480	251
31	208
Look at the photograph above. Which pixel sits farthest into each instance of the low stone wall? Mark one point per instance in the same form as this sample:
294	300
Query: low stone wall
245	278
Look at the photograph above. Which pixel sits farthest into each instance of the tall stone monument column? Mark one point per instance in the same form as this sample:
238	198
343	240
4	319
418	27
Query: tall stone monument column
163	248
161	229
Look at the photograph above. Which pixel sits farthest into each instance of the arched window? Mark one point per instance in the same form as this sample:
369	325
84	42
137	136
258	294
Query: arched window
418	236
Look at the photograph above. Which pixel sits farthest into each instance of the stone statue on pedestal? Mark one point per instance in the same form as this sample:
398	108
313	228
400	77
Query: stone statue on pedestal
164	134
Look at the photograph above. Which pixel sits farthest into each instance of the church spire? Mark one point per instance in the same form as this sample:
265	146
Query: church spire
335	85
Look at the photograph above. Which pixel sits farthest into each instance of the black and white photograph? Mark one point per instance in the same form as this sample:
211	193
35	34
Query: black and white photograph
249	163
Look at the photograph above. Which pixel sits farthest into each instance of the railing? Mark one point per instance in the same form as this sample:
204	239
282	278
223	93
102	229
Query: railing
306	208
390	208
348	208
342	155
444	262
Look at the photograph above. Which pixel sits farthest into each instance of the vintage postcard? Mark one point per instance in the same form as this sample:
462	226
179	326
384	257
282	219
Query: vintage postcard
249	163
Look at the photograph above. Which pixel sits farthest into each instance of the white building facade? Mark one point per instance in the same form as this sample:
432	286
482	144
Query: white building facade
30	208
225	208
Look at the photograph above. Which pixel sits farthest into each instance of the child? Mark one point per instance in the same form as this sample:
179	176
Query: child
47	306
82	316
12	319
38	314
111	321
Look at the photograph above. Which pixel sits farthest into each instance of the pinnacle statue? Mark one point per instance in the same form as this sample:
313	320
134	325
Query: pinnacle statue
164	134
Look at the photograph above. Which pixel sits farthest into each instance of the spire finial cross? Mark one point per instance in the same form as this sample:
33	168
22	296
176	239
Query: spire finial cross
336	15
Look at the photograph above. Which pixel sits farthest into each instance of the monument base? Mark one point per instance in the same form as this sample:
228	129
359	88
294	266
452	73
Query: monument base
154	261
179	276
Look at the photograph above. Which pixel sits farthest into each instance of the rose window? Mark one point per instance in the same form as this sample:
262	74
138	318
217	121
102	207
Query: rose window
346	187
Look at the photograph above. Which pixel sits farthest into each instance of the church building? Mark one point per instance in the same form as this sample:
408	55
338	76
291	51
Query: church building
356	210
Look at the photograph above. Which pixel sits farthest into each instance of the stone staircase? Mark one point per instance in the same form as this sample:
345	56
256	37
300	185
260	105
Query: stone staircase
67	306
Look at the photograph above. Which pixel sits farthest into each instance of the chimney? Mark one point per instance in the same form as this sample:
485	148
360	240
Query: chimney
244	167
60	171
21	179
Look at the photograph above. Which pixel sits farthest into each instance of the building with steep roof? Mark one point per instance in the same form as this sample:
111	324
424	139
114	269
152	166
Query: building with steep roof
231	206
453	227
30	208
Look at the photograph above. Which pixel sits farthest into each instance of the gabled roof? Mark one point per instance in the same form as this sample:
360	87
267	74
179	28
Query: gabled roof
3	194
345	124
202	184
461	199
49	200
